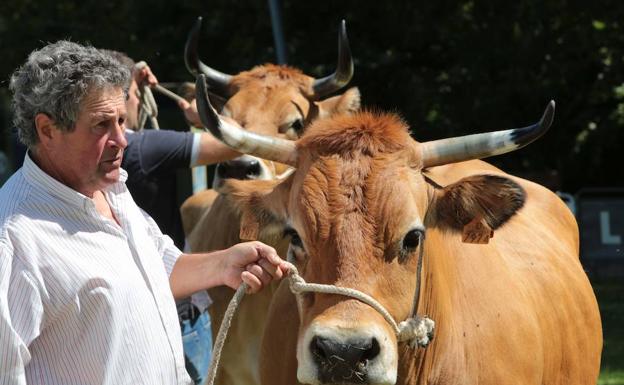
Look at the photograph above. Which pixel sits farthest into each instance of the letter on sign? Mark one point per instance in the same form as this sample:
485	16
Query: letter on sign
605	230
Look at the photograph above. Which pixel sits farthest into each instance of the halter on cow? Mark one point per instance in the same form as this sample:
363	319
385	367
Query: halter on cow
517	310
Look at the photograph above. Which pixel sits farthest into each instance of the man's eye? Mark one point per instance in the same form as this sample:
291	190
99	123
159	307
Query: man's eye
100	126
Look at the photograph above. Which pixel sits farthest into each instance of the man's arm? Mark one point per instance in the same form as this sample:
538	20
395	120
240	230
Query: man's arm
21	312
254	263
210	149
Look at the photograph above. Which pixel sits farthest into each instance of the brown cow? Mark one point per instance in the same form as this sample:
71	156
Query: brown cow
517	310
273	100
277	101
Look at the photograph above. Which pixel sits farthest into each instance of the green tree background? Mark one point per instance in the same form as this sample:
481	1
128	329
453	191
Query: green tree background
448	67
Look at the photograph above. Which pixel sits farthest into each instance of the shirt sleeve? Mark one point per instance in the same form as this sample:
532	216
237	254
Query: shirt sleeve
21	313
166	248
195	148
162	152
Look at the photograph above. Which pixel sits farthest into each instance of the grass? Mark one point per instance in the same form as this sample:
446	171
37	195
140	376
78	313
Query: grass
611	302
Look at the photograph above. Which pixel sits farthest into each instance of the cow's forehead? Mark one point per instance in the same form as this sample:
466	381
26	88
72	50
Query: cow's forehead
267	102
271	76
359	202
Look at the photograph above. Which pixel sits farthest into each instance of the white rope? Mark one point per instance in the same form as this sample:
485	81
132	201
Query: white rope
416	331
147	107
223	330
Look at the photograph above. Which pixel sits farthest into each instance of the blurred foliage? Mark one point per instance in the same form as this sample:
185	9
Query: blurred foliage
448	67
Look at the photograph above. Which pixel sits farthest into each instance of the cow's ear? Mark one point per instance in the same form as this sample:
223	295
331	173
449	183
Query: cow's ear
187	90
217	101
348	102
261	204
478	204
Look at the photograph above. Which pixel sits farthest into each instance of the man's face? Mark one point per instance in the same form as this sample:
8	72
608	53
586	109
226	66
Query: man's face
132	106
88	158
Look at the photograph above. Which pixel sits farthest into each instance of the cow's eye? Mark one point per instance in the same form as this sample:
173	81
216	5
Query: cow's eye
295	240
412	239
297	125
410	242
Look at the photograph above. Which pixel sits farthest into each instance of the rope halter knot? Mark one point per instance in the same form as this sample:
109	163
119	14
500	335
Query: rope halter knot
416	331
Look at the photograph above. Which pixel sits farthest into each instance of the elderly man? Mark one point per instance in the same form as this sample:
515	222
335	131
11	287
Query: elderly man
153	160
87	280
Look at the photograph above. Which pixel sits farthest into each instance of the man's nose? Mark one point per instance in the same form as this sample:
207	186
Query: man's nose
118	136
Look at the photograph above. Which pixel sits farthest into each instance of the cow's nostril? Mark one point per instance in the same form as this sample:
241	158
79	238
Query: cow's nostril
240	168
318	348
372	351
338	360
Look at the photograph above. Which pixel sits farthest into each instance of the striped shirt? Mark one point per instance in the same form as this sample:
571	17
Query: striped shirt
83	300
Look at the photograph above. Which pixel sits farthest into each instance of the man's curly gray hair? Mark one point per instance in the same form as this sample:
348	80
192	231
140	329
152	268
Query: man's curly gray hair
54	81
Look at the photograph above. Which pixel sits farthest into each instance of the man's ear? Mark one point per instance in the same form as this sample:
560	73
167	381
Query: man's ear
490	199
348	102
46	129
262	205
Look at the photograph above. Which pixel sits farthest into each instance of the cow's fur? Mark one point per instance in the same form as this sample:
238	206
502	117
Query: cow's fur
518	310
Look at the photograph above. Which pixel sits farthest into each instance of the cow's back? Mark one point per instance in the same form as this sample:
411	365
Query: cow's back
194	207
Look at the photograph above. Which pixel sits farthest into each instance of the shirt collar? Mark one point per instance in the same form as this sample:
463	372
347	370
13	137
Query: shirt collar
39	178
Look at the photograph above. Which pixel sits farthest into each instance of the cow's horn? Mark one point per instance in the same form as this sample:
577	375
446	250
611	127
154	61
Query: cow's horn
230	133
344	70
451	150
217	80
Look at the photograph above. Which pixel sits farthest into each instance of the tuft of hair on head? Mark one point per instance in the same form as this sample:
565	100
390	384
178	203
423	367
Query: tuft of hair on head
121	57
368	132
55	79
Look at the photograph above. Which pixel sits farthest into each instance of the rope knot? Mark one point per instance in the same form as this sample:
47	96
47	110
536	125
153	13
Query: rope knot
297	283
417	331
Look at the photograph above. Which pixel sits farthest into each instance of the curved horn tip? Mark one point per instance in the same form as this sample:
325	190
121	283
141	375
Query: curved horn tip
343	32
218	80
197	27
190	48
549	114
198	24
344	67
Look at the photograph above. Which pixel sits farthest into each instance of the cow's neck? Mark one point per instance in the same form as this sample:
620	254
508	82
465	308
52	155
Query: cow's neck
441	284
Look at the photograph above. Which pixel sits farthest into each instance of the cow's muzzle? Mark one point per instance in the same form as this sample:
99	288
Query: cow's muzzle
245	167
242	168
335	352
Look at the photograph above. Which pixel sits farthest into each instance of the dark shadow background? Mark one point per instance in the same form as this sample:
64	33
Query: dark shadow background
448	67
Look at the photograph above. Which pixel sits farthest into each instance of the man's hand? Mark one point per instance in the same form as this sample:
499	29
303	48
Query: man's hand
143	75
254	263
190	112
